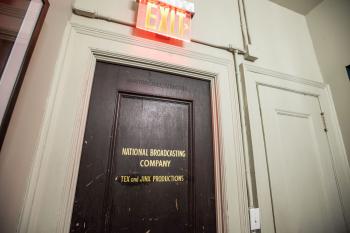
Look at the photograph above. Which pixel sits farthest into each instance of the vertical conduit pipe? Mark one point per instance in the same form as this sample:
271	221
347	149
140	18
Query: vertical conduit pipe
252	201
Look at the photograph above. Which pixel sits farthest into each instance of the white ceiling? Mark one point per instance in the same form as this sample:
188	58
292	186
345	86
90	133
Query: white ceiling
300	6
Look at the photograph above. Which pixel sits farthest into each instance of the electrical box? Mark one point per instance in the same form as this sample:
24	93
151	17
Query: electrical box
254	219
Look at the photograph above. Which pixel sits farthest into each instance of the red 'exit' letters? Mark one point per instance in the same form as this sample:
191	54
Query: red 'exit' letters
164	19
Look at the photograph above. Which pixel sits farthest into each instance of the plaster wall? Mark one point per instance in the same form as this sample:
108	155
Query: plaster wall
215	22
329	25
17	153
280	37
281	40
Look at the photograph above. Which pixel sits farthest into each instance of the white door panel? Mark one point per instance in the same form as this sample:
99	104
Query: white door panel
303	194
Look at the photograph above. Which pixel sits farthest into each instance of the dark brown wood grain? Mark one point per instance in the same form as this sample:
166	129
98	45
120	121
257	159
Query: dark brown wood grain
136	108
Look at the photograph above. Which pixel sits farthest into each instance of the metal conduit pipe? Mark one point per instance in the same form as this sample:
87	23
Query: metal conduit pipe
246	21
248	161
95	15
244	130
242	24
229	48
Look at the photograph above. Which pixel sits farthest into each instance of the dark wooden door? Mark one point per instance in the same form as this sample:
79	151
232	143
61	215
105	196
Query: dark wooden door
147	163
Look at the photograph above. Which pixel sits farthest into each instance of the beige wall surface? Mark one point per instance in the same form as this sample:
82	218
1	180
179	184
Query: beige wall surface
215	22
281	40
16	156
280	37
329	25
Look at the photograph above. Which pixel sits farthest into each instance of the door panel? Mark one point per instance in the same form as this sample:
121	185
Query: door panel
146	122
303	189
147	158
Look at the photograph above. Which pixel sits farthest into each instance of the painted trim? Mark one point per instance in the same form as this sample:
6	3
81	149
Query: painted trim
25	218
282	76
132	40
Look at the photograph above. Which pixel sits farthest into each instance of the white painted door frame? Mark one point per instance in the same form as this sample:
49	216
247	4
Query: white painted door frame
255	133
49	200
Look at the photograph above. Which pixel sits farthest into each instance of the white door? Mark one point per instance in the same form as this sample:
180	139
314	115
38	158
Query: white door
297	190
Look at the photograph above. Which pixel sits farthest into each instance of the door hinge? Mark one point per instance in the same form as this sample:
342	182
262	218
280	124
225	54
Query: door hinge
324	122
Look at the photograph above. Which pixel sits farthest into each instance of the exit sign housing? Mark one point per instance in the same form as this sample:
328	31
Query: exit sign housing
170	18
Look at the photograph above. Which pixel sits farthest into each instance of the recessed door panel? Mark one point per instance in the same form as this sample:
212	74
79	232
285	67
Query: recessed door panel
151	185
303	189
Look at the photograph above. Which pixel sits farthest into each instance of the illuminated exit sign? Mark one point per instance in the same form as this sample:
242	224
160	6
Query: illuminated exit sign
170	18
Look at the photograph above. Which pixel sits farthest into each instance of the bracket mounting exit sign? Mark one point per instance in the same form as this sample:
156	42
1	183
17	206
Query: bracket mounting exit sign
170	18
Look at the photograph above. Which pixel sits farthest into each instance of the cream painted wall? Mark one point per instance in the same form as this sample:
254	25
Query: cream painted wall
215	22
300	6
329	25
280	37
16	156
281	40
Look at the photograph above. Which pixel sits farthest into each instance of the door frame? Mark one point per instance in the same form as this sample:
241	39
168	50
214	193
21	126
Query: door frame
50	195
253	77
